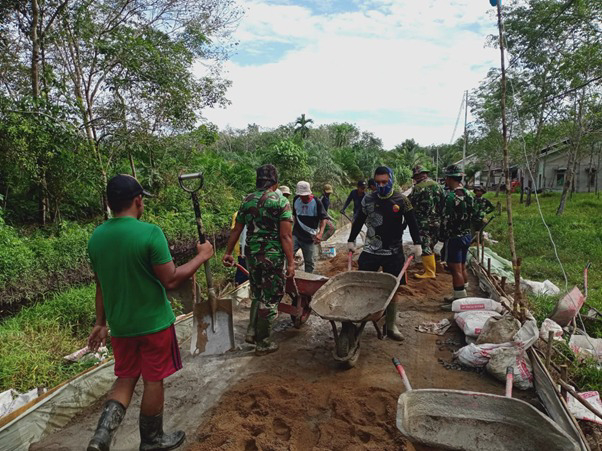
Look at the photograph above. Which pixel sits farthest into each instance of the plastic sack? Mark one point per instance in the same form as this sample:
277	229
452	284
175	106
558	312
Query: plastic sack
472	304
477	355
499	330
472	323
567	307
545	287
501	358
586	346
527	334
547	326
581	412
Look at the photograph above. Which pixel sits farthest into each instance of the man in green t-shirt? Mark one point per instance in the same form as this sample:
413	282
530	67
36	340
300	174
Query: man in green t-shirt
268	218
133	268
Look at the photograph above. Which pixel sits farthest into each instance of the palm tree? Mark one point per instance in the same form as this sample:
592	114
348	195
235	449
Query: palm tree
301	126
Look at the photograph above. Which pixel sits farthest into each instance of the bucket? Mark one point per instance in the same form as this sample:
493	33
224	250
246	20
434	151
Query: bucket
329	251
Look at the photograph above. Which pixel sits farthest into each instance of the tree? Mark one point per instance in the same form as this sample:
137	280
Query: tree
301	126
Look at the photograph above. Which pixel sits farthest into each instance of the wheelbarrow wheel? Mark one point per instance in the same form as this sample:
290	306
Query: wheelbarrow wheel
346	344
298	321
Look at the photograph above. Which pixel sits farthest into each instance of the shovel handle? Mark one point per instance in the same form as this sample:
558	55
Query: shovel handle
402	373
242	269
349	260
509	381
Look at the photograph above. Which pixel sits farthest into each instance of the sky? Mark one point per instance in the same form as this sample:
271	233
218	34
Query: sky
396	68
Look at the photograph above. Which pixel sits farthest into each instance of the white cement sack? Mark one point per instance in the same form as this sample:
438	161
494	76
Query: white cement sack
502	358
546	287
471	304
12	400
476	356
499	330
547	326
528	333
587	346
472	323
583	413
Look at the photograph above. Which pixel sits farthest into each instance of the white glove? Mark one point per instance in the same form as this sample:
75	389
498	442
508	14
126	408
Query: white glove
351	246
417	251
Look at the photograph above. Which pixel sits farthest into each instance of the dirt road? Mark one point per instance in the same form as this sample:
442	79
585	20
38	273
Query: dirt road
299	398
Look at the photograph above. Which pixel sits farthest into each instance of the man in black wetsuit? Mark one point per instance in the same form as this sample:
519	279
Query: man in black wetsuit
385	212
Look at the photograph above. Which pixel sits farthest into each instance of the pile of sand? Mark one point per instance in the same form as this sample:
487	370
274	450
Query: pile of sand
288	411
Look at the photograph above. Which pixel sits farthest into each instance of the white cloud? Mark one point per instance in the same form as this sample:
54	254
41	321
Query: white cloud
396	68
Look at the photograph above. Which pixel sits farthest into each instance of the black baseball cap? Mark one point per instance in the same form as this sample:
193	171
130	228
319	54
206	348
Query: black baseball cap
361	184
124	187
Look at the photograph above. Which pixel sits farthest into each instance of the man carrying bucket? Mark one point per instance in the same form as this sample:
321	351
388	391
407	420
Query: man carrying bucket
268	218
133	267
384	212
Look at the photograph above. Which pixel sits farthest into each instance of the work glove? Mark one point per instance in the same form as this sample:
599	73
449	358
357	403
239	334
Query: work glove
417	251
351	246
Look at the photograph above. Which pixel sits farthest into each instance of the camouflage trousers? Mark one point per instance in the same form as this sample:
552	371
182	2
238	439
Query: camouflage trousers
429	237
266	276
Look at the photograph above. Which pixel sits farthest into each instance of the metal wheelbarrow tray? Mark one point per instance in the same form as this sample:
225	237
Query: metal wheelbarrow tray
356	296
464	420
353	297
301	289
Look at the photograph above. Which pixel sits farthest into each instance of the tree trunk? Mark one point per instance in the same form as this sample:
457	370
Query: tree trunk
597	173
35	49
515	264
522	189
573	156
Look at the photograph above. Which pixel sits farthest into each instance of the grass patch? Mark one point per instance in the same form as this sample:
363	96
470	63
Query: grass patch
34	342
577	234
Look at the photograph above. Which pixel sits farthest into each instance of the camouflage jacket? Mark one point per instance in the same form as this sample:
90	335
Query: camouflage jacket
427	199
459	213
483	206
262	212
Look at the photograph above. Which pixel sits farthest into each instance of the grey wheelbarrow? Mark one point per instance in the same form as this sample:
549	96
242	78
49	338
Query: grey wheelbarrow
354	298
471	421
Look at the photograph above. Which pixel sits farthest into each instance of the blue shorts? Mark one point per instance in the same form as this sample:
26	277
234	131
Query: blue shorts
456	249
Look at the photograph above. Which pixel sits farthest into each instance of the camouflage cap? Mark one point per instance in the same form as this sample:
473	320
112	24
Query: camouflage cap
267	175
419	169
479	188
327	188
453	170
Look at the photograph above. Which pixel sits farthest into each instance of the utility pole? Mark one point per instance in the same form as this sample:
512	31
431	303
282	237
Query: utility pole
506	163
465	132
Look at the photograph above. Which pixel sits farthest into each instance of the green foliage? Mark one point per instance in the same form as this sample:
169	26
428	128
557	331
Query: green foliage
33	343
291	161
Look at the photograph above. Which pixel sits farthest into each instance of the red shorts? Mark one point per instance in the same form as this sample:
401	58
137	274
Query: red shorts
155	356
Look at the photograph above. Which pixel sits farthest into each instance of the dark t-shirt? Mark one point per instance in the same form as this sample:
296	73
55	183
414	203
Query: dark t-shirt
307	217
356	197
325	201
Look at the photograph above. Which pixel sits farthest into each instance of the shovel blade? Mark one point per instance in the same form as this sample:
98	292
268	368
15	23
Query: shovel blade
209	338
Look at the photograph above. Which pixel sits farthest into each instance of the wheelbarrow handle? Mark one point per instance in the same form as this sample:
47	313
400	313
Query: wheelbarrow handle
405	268
402	373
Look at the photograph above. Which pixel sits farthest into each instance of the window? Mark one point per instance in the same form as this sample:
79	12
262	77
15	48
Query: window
560	178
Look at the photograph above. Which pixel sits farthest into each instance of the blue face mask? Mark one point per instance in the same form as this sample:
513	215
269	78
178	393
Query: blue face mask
385	191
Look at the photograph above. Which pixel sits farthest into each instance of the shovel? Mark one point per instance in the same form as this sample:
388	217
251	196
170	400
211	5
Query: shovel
212	326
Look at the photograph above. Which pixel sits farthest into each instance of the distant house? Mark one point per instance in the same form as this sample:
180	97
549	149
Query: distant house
550	171
552	168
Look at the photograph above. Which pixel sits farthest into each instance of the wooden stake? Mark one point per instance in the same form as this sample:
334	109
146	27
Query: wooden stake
564	371
489	266
478	246
549	349
567	388
503	284
483	251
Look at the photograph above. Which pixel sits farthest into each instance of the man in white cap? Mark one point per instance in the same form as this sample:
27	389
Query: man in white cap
286	191
309	222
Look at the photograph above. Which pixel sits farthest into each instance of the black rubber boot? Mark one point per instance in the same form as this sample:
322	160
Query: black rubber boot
263	342
152	437
110	419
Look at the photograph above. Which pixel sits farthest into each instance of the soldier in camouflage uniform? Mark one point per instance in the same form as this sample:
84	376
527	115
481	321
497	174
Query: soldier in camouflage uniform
268	218
483	205
427	200
458	214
